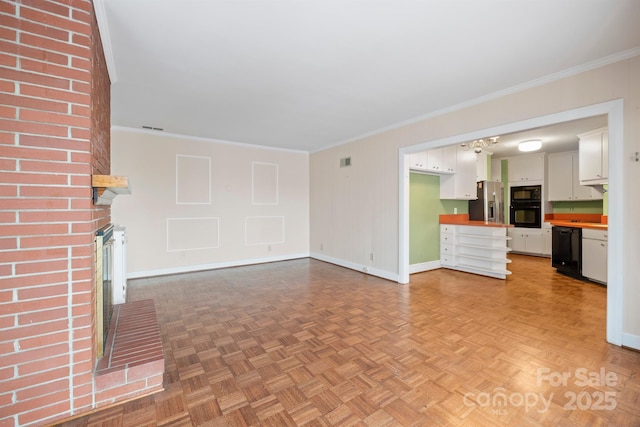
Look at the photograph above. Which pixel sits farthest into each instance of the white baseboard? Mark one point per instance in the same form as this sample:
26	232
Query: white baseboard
424	266
358	267
213	266
631	341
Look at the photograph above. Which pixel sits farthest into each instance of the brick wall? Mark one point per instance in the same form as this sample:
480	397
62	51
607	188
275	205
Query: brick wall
54	133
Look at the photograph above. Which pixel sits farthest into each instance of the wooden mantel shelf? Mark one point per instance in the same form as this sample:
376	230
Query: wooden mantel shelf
107	187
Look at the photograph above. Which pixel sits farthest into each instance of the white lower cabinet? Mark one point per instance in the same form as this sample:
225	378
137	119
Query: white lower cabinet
594	255
447	237
547	241
526	240
475	249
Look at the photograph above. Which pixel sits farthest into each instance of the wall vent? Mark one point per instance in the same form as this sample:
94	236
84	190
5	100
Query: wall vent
345	161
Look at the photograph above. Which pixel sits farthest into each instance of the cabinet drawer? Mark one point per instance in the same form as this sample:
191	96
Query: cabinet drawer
590	233
447	228
446	239
446	250
447	260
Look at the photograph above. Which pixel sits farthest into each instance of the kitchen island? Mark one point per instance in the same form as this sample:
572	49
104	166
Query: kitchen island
477	247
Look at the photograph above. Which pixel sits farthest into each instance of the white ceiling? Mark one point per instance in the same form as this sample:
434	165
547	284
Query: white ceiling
308	74
556	138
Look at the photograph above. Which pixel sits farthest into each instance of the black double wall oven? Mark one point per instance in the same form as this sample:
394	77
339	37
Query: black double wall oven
525	209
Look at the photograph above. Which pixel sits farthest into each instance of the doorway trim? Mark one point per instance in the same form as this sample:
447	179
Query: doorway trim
615	277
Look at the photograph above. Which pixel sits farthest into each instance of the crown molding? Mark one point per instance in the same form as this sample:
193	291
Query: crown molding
611	59
204	139
105	37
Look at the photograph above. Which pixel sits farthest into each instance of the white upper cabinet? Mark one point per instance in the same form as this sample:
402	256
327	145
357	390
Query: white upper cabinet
560	183
526	168
594	157
435	161
496	169
462	185
418	161
564	183
450	158
482	167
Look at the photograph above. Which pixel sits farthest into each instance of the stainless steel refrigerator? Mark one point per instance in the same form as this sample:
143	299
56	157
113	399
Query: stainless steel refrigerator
489	206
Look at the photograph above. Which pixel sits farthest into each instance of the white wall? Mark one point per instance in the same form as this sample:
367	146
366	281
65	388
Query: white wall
350	210
195	205
350	228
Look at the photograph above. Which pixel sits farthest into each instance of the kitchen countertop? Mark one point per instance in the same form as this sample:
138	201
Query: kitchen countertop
578	224
463	219
595	221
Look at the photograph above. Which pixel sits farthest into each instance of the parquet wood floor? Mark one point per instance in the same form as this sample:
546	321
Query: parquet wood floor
308	343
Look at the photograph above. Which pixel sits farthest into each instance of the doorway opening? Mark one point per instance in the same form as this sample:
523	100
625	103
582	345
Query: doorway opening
614	112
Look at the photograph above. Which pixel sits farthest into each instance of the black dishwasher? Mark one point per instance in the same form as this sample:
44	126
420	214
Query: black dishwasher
566	250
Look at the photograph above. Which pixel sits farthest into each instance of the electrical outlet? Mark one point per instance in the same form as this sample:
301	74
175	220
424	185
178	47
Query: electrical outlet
322	246
181	255
269	248
371	256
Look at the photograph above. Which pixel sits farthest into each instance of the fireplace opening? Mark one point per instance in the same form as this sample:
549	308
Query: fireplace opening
104	285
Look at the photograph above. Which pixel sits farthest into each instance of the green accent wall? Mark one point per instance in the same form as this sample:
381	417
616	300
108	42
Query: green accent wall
425	208
583	207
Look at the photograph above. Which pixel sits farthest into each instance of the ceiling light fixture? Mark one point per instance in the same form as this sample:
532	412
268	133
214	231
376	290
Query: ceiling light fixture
530	145
478	144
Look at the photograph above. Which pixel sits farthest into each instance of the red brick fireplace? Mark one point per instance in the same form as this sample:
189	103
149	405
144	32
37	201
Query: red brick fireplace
55	130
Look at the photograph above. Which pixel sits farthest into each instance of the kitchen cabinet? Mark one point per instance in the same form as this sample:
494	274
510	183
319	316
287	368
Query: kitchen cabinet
564	180
437	161
449	158
441	160
496	169
474	249
526	240
593	150
526	168
594	255
546	238
482	167
418	161
447	237
461	185
434	161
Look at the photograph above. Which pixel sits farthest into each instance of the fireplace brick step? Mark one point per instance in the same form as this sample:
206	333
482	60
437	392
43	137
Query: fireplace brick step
133	363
